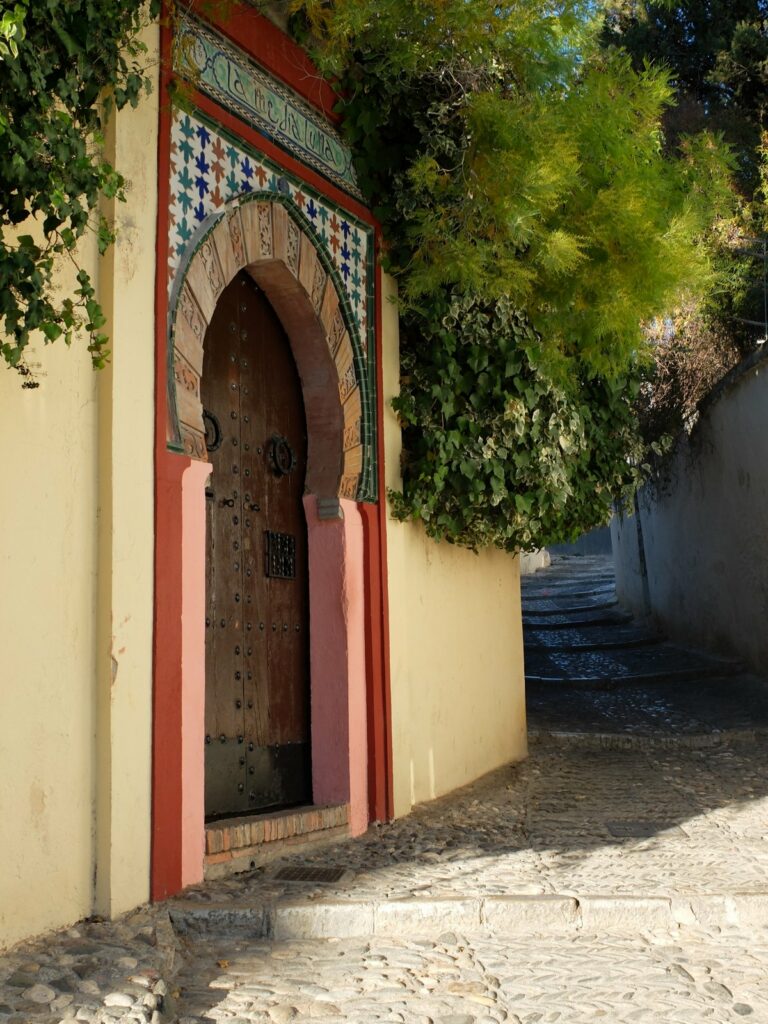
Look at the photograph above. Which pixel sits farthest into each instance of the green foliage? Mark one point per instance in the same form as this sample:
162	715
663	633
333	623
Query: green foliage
495	450
516	165
505	155
12	30
64	65
716	55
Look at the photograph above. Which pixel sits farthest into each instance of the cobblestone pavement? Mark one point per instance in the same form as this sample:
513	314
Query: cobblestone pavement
458	980
619	874
547	826
96	972
574	634
648	687
679	824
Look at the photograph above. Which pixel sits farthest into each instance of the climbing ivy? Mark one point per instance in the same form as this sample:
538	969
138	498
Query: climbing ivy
534	223
498	451
64	66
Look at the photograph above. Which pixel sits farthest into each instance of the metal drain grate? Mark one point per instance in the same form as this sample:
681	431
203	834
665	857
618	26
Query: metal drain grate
641	829
299	874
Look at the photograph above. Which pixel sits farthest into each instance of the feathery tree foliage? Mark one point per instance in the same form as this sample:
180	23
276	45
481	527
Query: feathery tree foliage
716	54
534	222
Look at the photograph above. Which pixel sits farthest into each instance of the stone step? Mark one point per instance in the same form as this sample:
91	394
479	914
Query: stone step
565	620
589	637
583	589
430	917
645	741
722	708
555	606
605	669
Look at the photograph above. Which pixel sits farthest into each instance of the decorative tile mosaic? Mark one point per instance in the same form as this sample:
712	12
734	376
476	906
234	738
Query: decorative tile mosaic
209	168
228	75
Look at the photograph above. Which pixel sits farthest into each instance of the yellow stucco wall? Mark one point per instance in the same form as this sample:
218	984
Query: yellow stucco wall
456	648
47	601
76	564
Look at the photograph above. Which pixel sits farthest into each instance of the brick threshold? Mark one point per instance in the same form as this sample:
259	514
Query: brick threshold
239	844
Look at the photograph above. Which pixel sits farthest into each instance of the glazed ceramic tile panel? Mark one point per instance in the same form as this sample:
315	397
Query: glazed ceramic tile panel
216	67
209	168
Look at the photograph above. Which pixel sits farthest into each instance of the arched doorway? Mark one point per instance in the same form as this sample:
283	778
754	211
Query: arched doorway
273	243
285	257
257	742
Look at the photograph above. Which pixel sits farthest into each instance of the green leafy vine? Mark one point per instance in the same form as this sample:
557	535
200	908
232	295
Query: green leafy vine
498	452
64	66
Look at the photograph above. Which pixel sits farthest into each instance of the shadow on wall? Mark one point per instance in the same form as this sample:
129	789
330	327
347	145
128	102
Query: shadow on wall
694	552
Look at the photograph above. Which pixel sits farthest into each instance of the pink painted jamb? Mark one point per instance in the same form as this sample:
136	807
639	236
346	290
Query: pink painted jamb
337	661
337	664
193	669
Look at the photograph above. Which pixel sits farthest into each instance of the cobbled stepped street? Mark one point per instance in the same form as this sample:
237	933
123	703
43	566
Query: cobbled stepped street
619	874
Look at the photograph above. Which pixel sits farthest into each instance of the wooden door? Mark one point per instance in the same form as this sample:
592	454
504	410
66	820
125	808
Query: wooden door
257	615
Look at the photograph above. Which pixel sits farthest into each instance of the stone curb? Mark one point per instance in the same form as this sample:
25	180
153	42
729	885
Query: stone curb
490	915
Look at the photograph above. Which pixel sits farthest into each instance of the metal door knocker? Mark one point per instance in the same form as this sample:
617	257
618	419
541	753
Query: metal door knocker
213	435
281	455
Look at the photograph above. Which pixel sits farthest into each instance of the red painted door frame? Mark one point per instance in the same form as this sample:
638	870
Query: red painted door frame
281	57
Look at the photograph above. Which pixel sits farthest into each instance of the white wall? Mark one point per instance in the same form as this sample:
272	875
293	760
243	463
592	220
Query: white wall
705	536
532	561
